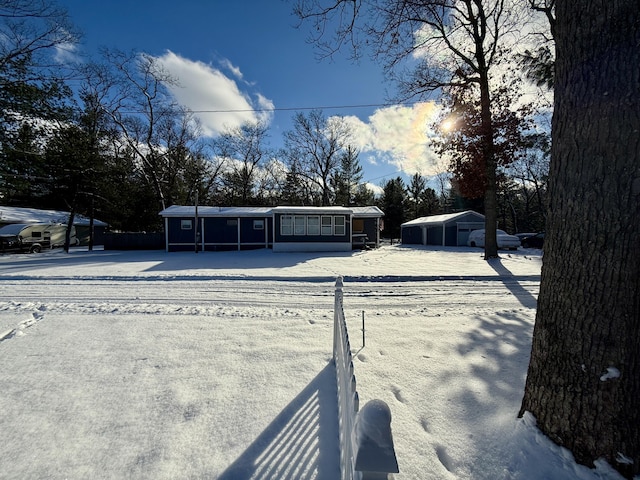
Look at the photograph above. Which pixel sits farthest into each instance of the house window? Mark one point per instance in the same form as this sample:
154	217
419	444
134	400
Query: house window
299	225
313	225
358	226
327	225
258	224
186	224
286	225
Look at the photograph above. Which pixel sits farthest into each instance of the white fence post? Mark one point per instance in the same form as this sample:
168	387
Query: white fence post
366	450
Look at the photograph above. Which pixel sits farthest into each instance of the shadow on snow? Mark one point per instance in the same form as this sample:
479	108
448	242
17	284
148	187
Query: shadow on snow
301	442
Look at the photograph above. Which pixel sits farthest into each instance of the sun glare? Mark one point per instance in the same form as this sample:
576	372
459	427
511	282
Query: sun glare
447	125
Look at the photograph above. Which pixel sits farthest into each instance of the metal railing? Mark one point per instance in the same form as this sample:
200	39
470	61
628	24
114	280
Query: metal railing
366	443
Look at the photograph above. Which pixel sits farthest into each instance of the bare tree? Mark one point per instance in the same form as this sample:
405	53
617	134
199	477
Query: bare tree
456	44
245	151
583	384
152	124
314	146
31	30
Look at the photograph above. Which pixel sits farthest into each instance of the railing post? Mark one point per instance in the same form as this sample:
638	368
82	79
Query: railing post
337	311
375	456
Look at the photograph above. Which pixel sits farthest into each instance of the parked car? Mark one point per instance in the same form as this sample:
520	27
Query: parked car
506	241
16	244
535	240
522	236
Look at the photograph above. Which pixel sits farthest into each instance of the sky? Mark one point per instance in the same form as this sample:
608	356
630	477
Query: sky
156	365
248	56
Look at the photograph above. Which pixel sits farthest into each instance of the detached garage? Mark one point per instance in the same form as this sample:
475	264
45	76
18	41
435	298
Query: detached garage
448	230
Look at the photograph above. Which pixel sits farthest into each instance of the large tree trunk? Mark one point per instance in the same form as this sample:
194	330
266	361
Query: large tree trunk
491	187
583	383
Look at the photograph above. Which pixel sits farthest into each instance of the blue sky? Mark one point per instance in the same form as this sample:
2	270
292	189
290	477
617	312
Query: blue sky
248	55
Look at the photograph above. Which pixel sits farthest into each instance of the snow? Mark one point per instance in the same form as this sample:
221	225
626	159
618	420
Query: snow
217	364
9	215
612	372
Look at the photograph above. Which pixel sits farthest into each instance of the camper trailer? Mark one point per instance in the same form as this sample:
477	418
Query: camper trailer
35	237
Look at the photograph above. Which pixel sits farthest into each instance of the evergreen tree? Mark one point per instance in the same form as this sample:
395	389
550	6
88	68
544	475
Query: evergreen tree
293	191
416	189
363	196
393	204
347	177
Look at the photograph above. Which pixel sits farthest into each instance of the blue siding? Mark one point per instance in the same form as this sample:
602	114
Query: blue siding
451	235
434	235
412	235
251	237
220	233
177	235
371	229
220	230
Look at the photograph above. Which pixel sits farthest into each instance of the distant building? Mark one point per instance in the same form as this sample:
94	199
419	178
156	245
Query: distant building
283	228
447	230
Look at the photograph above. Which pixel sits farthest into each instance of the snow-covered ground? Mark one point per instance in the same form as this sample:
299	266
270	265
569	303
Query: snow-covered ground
155	365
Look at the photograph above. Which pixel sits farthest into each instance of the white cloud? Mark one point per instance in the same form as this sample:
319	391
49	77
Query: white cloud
216	99
398	135
232	68
66	53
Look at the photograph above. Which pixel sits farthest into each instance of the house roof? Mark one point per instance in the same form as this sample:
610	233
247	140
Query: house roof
312	210
204	211
442	219
33	215
371	211
189	211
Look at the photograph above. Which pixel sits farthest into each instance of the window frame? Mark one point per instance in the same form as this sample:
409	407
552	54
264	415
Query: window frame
313	229
286	225
326	229
299	225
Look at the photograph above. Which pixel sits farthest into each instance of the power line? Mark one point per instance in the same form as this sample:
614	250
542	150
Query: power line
290	109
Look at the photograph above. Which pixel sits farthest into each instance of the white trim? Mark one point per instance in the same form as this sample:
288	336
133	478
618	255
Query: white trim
202	234
312	247
166	234
238	233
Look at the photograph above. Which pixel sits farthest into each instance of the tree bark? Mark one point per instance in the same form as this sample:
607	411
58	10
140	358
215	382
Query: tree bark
583	382
490	192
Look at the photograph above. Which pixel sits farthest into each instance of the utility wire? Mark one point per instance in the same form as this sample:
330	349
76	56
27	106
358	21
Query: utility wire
291	109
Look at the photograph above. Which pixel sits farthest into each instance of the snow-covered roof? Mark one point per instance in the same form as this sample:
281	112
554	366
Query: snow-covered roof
12	229
34	215
441	219
370	211
203	211
312	210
